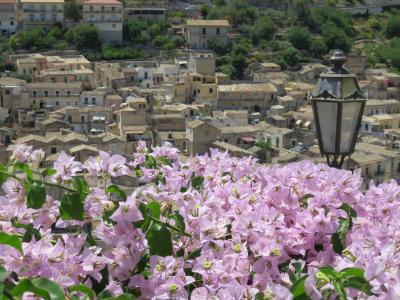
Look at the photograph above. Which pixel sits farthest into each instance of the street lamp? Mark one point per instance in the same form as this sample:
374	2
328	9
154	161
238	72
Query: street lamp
338	105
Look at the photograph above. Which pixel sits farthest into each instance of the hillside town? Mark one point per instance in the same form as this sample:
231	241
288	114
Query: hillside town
62	101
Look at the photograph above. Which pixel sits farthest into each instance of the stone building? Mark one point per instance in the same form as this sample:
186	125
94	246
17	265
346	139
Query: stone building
106	15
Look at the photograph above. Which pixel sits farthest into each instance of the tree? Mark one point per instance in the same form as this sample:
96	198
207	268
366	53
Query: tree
86	37
263	29
292	56
334	37
35	39
300	37
72	10
375	23
302	9
393	26
318	47
134	29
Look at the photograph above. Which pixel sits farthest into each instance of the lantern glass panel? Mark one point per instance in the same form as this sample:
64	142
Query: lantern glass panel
349	87
350	113
327	116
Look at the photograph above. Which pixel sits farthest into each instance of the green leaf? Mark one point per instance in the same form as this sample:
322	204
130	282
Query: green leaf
36	194
164	160
338	239
81	187
71	207
298	289
11	240
197	182
349	210
179	221
41	287
160	242
99	287
339	288
83	289
151	162
30	231
3	176
358	283
351	272
329	272
154	209
115	189
3	274
160	179
146	220
48	172
25	168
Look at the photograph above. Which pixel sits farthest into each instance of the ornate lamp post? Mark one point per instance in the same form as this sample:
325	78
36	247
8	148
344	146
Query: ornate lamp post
338	105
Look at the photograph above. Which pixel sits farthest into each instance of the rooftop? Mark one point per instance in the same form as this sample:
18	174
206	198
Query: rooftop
222	23
362	158
250	87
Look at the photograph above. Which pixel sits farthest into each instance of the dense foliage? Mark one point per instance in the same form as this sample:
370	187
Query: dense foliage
212	227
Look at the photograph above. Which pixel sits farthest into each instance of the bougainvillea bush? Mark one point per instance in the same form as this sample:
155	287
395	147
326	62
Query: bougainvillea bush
210	227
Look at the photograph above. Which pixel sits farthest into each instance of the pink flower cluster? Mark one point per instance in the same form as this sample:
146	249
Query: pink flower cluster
245	221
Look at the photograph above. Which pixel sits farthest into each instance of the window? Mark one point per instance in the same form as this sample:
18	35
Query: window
86	100
204	30
46	93
218	31
82	119
113	8
53	150
11	23
114	25
102	8
70	119
57	103
93	100
91	8
57	93
210	90
146	75
8	92
68	93
277	142
42	17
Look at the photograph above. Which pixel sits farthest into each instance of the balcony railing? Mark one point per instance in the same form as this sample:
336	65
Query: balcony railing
39	11
108	20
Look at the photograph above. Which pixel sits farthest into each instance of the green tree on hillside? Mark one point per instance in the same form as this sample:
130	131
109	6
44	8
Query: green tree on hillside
263	29
393	26
300	37
86	37
72	10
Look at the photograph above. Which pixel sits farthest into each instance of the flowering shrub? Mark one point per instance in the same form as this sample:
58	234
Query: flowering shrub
212	227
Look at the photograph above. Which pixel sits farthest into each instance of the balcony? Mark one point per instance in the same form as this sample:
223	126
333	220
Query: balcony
39	11
107	20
